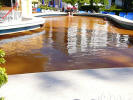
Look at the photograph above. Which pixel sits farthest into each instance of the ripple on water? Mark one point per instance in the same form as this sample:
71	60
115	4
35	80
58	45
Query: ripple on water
66	43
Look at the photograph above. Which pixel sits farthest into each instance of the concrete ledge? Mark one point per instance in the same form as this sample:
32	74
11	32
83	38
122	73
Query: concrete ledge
118	21
49	14
8	28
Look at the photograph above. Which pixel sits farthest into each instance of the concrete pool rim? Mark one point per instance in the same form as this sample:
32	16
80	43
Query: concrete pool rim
116	20
20	26
47	15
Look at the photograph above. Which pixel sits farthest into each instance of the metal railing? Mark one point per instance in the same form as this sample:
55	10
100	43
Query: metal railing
12	17
9	16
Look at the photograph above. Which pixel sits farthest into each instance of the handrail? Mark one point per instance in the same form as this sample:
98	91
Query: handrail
10	11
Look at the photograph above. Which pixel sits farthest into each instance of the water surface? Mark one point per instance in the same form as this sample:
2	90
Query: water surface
68	43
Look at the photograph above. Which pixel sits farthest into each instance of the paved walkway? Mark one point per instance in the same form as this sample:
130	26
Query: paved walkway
92	84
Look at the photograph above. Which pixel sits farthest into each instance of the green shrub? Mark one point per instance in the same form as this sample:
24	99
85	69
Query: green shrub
2	54
2	98
89	8
113	7
34	2
117	11
3	75
45	7
0	5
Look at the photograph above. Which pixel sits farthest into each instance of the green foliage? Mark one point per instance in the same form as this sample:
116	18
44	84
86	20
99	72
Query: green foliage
2	53
2	60
3	75
117	11
2	98
46	2
112	10
113	7
34	2
91	2
105	2
89	8
72	2
96	8
0	5
45	7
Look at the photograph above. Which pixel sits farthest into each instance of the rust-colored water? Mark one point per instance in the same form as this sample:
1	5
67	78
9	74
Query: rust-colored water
67	43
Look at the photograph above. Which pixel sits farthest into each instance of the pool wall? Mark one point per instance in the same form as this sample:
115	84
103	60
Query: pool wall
31	24
45	15
116	20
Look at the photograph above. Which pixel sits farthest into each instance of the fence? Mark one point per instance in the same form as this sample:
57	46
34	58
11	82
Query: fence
9	17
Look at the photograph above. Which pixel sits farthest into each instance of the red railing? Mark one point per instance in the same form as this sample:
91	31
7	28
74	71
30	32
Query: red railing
10	11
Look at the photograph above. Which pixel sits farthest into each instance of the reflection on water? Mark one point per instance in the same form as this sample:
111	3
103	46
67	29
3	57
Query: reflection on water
67	43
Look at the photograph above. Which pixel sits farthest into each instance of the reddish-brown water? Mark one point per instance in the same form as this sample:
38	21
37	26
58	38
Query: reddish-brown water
68	43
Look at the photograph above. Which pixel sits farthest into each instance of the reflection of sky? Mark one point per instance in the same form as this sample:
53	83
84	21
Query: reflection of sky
98	37
70	44
50	33
121	40
72	39
82	40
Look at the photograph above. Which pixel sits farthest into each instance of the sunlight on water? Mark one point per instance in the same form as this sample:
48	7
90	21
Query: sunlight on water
67	43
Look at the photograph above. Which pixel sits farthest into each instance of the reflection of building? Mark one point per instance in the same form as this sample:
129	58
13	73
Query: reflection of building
94	39
99	36
59	36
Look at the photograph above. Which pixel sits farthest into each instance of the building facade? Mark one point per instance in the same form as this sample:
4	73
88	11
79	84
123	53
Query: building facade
54	3
127	4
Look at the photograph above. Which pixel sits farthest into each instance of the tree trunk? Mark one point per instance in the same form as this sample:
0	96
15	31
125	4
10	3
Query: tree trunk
91	2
